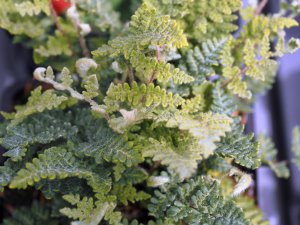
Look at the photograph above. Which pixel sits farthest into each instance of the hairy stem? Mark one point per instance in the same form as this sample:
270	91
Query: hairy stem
39	74
152	78
130	75
82	41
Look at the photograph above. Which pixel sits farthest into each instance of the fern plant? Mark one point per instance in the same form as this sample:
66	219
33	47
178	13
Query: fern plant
148	127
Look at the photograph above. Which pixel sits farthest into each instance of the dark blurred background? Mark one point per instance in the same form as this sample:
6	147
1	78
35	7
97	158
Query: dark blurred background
275	114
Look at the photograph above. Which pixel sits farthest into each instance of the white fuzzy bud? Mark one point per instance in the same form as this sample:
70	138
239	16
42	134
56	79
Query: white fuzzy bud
83	65
39	73
85	29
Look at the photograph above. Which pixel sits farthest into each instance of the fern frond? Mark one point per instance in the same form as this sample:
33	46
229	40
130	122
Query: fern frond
222	101
268	154
176	9
87	211
179	159
250	59
197	201
279	23
36	214
104	144
269	72
215	21
233	73
6	175
202	19
55	46
242	148
139	95
147	28
128	193
258	64
58	162
32	131
47	76
167	31
54	189
15	23
92	87
207	128
34	7
201	62
146	67
257	26
193	105
37	102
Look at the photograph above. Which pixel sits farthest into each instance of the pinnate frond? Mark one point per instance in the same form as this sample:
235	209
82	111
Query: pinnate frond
268	154
197	201
59	162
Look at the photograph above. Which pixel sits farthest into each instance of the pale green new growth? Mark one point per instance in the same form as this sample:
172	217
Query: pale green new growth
147	29
135	95
128	193
233	73
33	8
87	211
17	24
202	19
37	102
207	128
182	161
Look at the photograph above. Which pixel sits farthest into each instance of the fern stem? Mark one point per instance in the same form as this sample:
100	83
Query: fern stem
39	75
83	45
82	42
152	78
130	75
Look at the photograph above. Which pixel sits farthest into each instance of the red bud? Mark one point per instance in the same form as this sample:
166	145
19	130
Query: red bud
60	6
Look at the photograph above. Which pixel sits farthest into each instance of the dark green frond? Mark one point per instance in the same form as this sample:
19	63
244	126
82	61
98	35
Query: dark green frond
197	201
241	147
